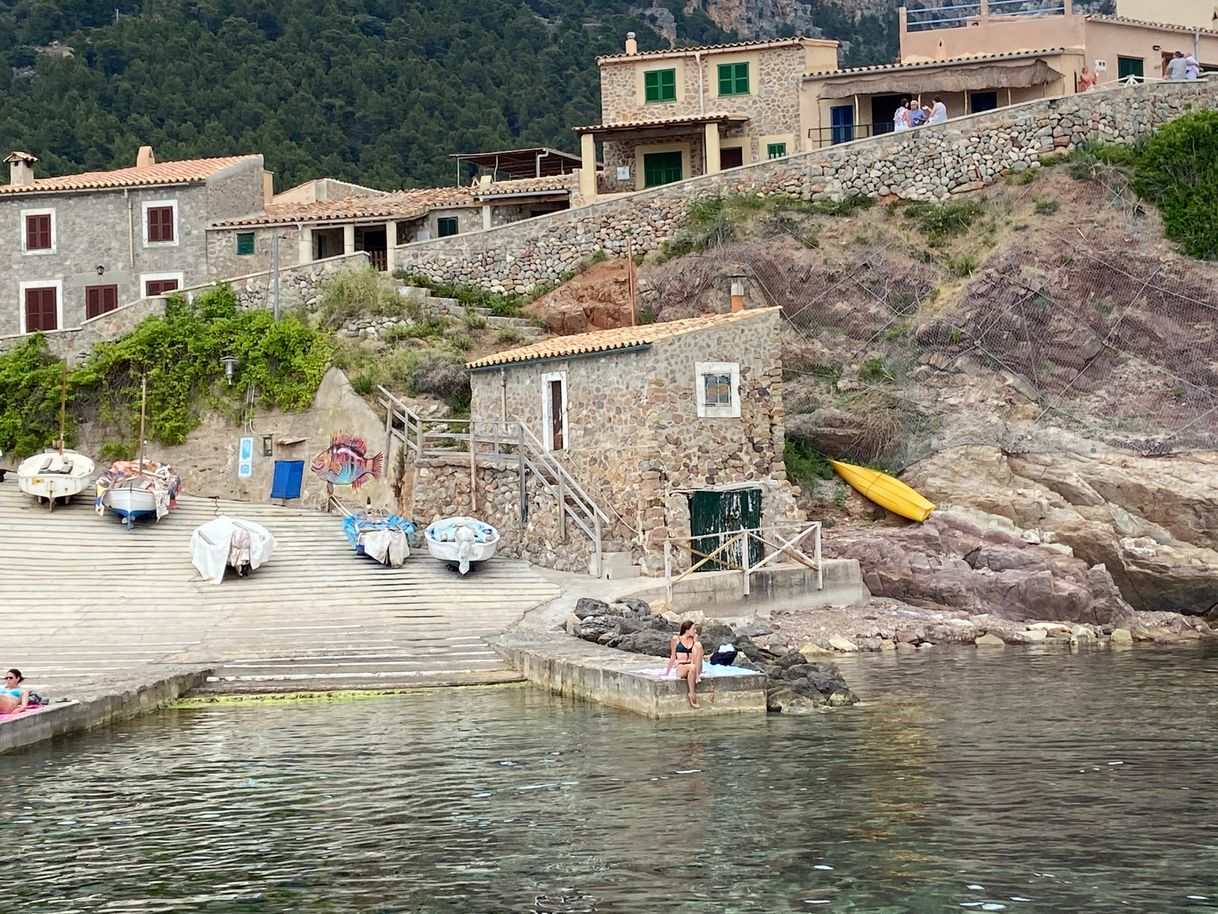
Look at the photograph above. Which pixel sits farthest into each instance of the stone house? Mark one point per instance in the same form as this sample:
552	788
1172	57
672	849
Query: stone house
675	114
77	246
675	429
327	218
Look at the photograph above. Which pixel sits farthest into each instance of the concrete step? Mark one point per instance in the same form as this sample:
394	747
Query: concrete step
616	566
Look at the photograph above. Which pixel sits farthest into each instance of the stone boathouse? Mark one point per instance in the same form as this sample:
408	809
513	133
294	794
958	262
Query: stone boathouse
672	429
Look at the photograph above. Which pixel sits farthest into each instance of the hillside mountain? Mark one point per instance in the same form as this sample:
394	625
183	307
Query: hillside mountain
376	91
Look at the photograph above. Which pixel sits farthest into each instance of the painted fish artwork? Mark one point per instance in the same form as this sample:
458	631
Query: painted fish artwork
345	462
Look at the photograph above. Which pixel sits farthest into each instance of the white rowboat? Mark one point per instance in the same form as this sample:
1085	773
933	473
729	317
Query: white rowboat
461	541
53	475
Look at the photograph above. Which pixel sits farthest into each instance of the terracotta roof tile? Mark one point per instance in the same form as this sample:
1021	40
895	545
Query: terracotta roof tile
931	64
691	120
187	171
610	340
1142	23
402	204
547	184
731	45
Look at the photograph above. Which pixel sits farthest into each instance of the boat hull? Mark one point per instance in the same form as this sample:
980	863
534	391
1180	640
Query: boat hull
887	492
461	541
51	476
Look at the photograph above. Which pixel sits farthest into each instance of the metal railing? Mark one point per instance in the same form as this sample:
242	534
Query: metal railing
820	137
379	259
496	440
734	552
951	17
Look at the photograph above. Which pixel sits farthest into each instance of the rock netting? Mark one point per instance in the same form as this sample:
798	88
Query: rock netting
930	163
796	684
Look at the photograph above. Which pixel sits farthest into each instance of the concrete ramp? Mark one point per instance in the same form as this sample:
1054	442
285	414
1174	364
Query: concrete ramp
87	603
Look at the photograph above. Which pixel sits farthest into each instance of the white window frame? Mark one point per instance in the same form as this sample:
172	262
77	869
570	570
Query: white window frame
547	411
177	228
25	242
716	411
57	285
145	277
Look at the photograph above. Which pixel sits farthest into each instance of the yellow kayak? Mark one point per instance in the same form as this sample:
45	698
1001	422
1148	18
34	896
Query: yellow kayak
885	491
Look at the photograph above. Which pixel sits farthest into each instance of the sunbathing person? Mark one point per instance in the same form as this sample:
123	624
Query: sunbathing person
686	655
12	696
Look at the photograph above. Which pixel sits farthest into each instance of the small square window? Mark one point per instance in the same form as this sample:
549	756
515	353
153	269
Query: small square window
245	243
660	85
161	225
733	79
717	389
718	385
38	232
775	150
446	226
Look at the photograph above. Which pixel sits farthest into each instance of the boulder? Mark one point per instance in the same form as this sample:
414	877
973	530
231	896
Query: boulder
845	645
647	641
950	562
1146	524
811	651
989	640
587	606
632	605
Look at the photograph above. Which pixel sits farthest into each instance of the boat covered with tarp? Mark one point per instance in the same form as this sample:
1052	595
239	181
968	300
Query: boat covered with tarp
461	541
230	542
136	489
384	537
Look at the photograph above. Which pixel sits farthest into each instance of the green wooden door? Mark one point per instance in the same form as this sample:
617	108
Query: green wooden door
715	516
661	168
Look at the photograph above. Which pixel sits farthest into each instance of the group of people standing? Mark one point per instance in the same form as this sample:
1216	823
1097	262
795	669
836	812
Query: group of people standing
1183	66
910	114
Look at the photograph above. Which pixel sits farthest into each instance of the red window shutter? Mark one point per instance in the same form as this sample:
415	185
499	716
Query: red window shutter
40	310
38	233
159	286
160	224
99	300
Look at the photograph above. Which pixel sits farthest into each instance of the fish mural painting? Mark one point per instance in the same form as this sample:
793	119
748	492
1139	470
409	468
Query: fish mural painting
344	462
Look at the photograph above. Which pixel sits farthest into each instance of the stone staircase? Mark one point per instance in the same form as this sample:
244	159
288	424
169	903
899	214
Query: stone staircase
86	601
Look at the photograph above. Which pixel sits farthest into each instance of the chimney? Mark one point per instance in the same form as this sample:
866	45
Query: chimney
632	45
21	169
144	157
737	293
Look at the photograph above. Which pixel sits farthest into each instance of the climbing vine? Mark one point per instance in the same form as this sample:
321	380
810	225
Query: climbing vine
180	354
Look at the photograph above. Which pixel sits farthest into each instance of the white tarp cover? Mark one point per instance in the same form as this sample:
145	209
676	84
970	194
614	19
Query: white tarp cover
228	541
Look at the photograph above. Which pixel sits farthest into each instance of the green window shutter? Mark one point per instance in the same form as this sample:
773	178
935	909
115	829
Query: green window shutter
775	150
660	85
661	168
446	226
733	79
245	243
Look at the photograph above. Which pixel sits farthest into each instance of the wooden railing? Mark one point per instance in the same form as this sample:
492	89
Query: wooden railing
496	440
734	552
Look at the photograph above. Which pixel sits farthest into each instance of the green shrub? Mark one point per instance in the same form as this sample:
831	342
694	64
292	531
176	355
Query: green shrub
875	371
847	206
30	379
1047	207
361	293
648	314
944	221
964	265
1178	171
425	328
805	465
475	321
508	335
501	304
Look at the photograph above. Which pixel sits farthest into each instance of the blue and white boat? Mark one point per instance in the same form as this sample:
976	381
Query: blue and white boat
461	541
137	489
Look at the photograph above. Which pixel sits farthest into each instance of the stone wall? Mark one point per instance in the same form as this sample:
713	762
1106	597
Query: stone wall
635	441
298	286
930	163
441	488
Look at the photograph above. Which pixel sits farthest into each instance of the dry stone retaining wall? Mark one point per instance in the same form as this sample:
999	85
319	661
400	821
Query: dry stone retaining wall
930	163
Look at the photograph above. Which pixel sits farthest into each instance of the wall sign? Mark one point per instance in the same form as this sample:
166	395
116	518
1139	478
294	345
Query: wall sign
245	459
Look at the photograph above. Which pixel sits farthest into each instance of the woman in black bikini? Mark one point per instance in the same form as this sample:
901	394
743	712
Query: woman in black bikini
686	655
